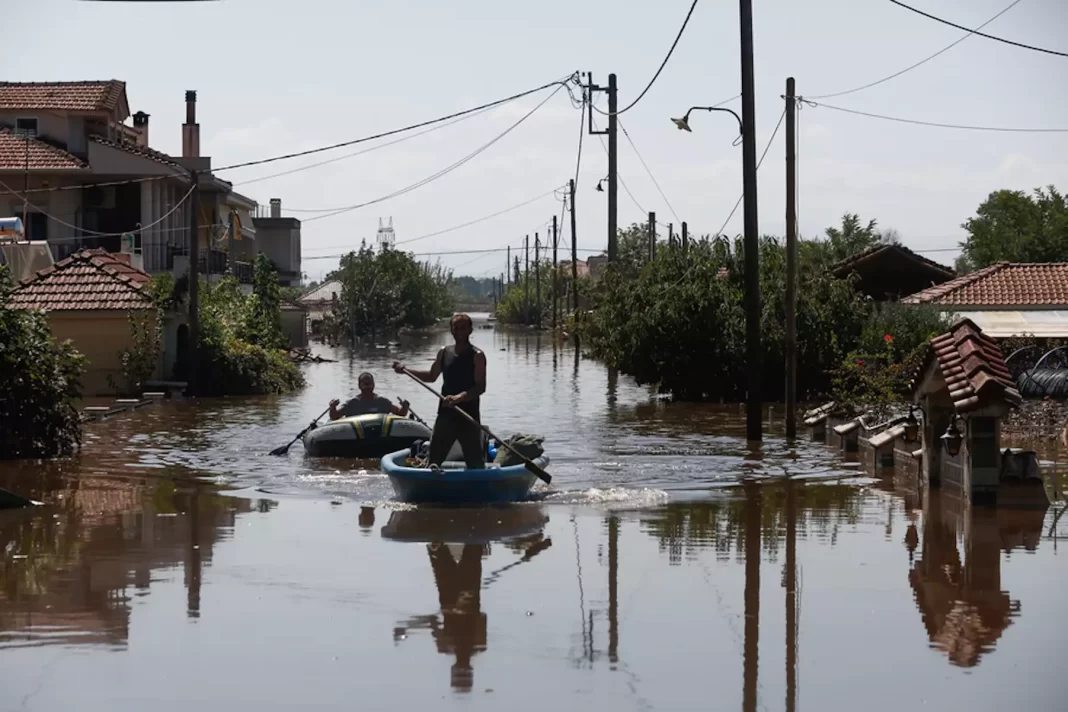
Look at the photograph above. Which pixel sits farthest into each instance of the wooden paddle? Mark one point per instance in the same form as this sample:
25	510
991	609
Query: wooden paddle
285	448
542	474
415	416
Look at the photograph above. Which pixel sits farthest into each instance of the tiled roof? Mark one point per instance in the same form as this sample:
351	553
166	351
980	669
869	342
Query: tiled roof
62	96
843	267
87	280
972	366
136	150
1004	284
41	156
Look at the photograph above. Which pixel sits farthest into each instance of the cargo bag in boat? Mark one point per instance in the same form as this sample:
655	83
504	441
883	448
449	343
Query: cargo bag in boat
527	445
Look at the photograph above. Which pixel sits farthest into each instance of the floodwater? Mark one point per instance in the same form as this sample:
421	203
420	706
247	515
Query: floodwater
175	565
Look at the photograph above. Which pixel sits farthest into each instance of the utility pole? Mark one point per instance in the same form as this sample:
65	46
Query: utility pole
537	280
515	271
526	279
753	404
791	595
574	251
671	234
508	264
613	193
751	644
652	236
791	260
194	280
556	271
685	239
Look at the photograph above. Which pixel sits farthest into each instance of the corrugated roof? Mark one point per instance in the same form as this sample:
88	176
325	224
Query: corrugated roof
100	95
88	280
18	154
1004	284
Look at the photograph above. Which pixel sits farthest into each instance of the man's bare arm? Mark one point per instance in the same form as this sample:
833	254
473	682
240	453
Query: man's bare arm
429	375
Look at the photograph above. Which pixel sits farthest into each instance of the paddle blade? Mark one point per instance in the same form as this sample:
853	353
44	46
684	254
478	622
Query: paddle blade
278	451
542	474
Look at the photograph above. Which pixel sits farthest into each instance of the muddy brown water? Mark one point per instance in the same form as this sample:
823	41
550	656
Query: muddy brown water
175	565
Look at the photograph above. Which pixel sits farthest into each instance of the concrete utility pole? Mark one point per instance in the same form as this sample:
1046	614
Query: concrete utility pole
194	278
754	403
613	185
791	259
556	273
652	236
537	280
574	251
685	239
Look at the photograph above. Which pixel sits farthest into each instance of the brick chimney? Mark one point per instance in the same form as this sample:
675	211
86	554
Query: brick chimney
191	129
276	207
140	122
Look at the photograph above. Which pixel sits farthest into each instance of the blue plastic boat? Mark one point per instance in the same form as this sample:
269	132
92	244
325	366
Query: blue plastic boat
456	484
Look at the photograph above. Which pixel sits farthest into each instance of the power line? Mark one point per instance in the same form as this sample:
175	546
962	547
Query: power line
444	171
762	156
662	65
932	123
362	152
447	252
618	176
392	132
981	34
922	61
648	171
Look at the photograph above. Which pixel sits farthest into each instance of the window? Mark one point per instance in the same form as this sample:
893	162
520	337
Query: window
26	125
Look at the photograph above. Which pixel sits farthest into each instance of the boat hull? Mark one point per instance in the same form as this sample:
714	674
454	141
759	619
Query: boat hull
364	436
456	485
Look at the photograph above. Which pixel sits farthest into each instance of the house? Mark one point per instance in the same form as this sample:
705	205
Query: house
87	298
888	271
83	177
319	302
1007	299
278	237
295	325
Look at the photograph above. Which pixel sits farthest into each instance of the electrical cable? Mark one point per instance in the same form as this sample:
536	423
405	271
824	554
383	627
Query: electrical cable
94	233
981	34
922	61
618	176
932	123
658	71
558	83
448	252
649	172
448	169
759	163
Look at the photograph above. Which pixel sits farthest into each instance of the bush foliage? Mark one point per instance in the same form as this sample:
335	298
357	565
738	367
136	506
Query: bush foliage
39	385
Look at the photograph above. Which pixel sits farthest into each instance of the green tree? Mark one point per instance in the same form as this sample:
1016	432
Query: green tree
1013	226
40	383
261	323
852	237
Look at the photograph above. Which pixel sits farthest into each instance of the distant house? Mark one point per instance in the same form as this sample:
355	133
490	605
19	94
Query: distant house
295	325
1007	299
319	302
888	271
87	298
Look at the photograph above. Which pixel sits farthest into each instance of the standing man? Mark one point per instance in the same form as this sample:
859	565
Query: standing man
463	368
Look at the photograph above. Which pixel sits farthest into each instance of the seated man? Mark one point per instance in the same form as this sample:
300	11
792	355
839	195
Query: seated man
366	402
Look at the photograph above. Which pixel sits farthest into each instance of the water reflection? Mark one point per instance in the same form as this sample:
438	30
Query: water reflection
68	568
457	540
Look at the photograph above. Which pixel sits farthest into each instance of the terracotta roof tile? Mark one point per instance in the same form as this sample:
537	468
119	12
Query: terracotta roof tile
87	280
843	267
972	366
136	150
1004	284
62	96
15	155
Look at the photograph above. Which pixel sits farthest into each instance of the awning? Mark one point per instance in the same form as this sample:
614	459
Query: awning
1000	324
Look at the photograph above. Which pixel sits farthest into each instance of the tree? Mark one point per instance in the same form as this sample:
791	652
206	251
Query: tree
40	383
262	319
852	237
1013	226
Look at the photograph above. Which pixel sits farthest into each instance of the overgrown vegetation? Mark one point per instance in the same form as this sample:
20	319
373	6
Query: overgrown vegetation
40	382
520	302
678	321
382	291
139	362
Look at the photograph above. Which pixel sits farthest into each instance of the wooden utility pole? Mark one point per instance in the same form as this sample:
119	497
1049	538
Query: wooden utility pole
685	239
556	272
753	402
526	278
574	251
537	280
194	279
652	236
791	260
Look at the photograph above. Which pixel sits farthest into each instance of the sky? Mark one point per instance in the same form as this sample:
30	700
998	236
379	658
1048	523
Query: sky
277	76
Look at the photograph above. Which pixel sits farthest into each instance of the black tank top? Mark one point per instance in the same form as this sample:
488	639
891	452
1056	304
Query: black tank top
458	375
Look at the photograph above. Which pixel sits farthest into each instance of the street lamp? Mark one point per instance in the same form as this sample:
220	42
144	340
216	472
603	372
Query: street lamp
683	124
953	438
600	184
912	426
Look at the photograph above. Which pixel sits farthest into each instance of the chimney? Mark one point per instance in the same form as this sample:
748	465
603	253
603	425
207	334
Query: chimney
140	122
276	207
191	129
